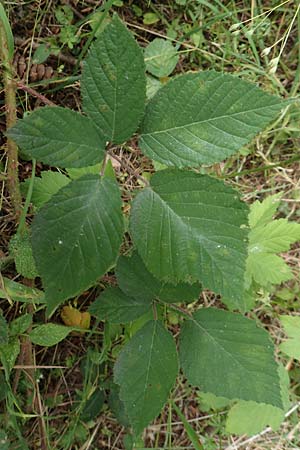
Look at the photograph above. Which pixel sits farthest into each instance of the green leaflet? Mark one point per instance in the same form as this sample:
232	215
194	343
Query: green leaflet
19	293
93	406
190	227
228	355
55	136
210	116
20	324
3	330
266	238
262	213
49	334
267	268
8	354
136	281
160	57
274	237
292	328
45	186
146	370
251	418
21	250
116	307
113	83
76	236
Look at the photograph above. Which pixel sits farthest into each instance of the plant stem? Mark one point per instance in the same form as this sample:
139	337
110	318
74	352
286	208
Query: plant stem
10	104
262	169
34	93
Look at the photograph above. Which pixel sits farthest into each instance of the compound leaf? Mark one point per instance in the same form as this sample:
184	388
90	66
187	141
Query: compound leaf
136	281
113	83
76	236
191	227
146	371
116	307
49	334
228	355
59	137
202	118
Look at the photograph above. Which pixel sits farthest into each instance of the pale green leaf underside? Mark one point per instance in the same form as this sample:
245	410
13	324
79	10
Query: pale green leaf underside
202	118
161	57
9	353
59	137
228	355
274	237
251	418
262	212
267	268
45	186
189	227
210	401
19	293
21	250
116	307
146	371
136	281
49	334
76	236
292	328
113	83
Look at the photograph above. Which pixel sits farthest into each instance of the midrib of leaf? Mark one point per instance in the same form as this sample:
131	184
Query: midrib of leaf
149	362
190	228
180	127
115	97
91	199
216	342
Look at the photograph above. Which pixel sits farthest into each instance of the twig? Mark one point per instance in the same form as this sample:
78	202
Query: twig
23	367
10	105
129	170
34	93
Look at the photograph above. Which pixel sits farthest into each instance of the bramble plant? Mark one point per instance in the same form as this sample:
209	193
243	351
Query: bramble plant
189	231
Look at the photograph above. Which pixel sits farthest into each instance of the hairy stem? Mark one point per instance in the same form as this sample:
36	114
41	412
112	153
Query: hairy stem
10	105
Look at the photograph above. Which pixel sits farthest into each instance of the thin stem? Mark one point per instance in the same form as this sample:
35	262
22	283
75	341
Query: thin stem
11	118
129	170
261	169
104	164
34	93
